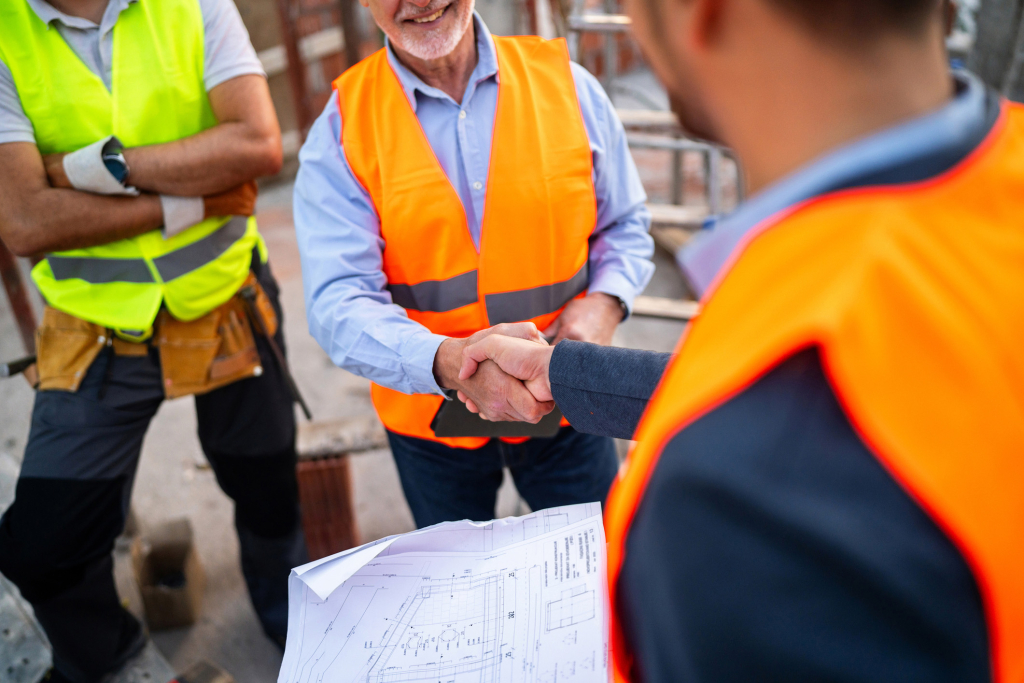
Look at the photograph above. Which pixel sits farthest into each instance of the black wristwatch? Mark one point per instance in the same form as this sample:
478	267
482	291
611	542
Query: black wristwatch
622	305
113	159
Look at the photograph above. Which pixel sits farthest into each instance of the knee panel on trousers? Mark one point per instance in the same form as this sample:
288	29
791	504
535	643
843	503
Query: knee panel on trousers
55	528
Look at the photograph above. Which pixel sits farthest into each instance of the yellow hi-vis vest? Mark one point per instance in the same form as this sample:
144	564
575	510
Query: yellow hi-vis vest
157	95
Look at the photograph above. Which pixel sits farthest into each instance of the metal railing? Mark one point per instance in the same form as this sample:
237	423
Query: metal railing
660	128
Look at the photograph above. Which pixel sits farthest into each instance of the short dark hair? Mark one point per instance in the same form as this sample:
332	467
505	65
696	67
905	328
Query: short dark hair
854	19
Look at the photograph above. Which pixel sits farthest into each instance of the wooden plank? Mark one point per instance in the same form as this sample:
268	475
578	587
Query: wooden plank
671	239
600	23
673	216
646	119
673	226
330	438
666	309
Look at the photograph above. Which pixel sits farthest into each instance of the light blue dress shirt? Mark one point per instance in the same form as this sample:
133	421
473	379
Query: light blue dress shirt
349	309
950	126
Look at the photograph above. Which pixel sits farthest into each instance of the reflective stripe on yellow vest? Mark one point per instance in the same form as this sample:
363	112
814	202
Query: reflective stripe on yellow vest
539	213
914	296
157	95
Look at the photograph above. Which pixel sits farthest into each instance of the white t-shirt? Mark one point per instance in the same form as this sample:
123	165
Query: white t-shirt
228	53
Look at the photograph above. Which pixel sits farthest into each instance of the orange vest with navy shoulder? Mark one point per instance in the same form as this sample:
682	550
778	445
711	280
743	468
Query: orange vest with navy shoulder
539	212
914	297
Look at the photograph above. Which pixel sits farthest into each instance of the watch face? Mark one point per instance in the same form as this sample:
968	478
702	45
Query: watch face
117	166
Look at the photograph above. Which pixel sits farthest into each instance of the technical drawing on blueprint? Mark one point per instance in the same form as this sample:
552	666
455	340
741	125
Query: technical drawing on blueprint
519	600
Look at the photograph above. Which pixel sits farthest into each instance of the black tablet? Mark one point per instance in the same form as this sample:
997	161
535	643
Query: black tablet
453	419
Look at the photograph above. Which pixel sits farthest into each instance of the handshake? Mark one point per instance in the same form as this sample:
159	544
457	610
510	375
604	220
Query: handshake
500	373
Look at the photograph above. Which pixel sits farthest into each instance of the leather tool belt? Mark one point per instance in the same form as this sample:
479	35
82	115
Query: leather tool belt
195	357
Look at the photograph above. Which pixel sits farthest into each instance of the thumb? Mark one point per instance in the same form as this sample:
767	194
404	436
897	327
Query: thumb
488	348
474	354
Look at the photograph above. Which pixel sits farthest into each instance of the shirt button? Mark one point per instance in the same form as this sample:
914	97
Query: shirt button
478	186
462	114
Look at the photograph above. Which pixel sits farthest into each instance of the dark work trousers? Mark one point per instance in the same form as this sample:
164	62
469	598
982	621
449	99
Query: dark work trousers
73	494
445	484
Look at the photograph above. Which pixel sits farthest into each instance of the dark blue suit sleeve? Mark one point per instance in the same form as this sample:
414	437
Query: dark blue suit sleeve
604	390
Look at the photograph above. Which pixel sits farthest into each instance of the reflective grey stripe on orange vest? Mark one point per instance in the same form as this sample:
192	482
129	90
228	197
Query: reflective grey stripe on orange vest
510	307
437	296
102	271
441	296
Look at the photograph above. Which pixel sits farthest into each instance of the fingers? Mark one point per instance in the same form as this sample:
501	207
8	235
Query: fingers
527	331
532	410
474	354
498	397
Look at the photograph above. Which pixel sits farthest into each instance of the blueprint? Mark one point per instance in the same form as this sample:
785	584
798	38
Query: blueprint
517	600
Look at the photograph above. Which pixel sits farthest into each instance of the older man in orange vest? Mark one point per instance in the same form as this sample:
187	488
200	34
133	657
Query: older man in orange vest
457	181
829	482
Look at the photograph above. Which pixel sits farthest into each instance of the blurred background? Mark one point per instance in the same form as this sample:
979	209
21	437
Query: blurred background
350	488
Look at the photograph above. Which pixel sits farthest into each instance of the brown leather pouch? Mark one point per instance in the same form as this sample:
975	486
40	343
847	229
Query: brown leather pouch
263	306
65	347
206	354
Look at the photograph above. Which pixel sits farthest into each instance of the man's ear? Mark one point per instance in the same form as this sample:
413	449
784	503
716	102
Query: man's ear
949	8
707	21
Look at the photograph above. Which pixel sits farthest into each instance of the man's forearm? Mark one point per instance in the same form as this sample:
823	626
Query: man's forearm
245	144
52	220
204	164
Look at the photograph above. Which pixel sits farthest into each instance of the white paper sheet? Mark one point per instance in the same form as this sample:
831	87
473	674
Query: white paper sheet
516	600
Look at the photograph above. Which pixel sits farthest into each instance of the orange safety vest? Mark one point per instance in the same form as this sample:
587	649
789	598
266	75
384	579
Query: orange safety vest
914	296
539	213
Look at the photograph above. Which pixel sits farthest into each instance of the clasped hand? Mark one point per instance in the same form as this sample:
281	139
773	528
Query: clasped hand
502	373
495	392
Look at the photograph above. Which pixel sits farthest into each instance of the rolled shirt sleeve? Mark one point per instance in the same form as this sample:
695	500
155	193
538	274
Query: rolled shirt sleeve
621	246
350	311
14	124
228	51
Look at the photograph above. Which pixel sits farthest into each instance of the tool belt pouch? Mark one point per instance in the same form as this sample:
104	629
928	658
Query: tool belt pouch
205	354
263	306
65	348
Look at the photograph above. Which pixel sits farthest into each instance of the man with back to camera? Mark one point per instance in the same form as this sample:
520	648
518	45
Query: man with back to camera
479	181
131	132
828	482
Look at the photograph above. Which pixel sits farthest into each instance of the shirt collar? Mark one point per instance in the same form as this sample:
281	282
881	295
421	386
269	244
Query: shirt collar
48	14
951	126
486	67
